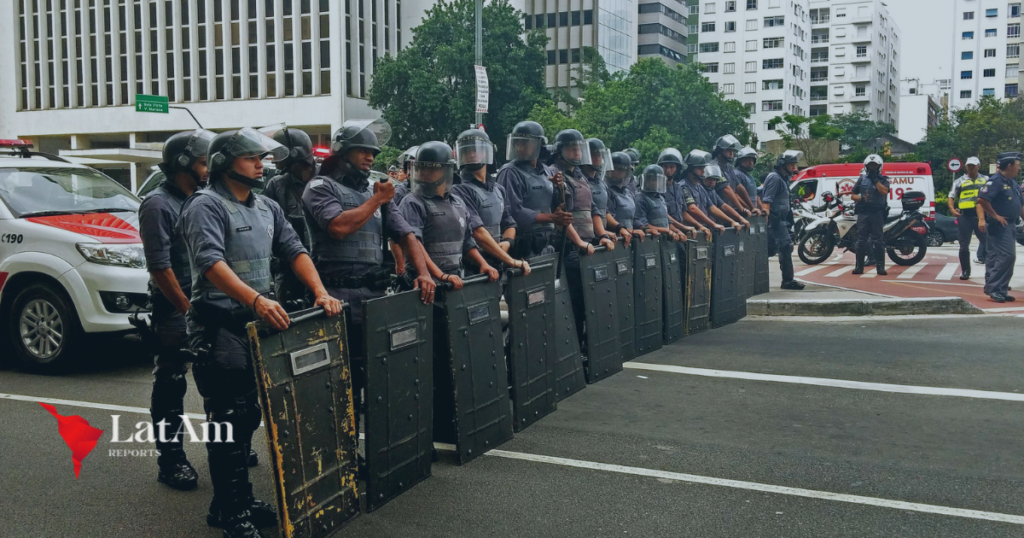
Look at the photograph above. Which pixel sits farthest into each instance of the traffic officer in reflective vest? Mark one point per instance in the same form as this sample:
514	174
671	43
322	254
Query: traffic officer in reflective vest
286	189
600	164
531	189
729	188
871	194
492	224
651	207
231	234
775	200
962	201
439	220
999	207
746	159
621	204
701	205
170	285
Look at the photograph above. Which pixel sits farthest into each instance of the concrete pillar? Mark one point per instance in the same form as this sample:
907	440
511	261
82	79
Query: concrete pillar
80	142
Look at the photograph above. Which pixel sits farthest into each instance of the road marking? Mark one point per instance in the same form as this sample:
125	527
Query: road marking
90	405
839	272
825	382
947	271
869	274
765	488
812	269
912	271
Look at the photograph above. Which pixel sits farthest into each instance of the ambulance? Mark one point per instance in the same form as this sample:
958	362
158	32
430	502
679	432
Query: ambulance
808	184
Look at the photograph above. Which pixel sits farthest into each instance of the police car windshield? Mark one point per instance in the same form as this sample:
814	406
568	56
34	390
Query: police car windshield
48	191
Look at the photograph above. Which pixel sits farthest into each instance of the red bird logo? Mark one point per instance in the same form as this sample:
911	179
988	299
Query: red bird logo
80	437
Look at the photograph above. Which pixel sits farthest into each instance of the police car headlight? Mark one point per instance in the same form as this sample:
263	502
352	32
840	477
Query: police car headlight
116	255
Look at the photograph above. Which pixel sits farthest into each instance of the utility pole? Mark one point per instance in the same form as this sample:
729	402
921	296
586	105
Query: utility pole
479	60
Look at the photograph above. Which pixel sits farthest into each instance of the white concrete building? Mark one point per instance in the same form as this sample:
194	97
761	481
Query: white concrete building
663	29
70	80
986	50
919	109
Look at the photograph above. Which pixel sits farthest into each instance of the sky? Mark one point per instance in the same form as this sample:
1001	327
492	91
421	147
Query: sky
926	37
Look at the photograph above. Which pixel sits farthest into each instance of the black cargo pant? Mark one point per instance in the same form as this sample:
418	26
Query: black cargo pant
1001	256
967	224
169	379
870	240
778	236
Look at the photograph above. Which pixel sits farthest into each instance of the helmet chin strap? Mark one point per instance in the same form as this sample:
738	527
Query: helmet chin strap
247	181
348	168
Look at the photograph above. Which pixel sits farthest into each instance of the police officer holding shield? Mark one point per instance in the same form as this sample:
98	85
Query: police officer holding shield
231	234
600	163
999	207
700	205
671	162
871	194
728	187
746	159
170	285
651	206
775	201
963	198
621	203
634	159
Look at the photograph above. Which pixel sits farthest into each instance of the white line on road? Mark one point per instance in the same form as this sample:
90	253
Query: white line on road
812	269
947	271
869	274
825	382
912	271
90	405
766	488
839	272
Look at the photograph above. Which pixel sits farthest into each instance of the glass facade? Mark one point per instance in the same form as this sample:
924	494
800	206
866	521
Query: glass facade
615	22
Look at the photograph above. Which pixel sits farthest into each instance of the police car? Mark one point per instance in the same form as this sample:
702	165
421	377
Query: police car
71	259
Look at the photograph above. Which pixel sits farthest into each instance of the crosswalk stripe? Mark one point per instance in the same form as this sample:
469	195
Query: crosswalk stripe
812	269
839	272
869	274
912	271
947	271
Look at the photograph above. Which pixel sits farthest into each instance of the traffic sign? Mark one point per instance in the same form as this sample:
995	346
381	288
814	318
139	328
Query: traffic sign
954	165
482	88
151	103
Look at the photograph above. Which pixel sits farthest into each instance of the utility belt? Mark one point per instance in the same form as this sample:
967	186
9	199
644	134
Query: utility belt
377	279
213	319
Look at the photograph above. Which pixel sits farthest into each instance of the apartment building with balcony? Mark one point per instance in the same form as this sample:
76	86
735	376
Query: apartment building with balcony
986	50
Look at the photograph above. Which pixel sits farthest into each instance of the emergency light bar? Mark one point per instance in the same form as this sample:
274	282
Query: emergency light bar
20	144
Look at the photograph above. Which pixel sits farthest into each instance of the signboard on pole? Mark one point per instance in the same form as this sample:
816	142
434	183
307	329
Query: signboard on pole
482	89
151	103
954	165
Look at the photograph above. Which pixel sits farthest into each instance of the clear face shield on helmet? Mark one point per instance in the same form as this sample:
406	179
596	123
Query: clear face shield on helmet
296	152
473	150
601	162
576	153
618	175
199	143
249	142
653	182
712	173
380	129
431	179
524	148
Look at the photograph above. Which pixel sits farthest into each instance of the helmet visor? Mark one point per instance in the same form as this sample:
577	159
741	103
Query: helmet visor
249	142
577	152
380	129
730	142
523	147
199	143
617	175
653	182
474	150
713	172
430	178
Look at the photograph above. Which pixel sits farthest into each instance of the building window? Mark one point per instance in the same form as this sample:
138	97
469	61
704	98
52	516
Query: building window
988	73
1013	51
694	9
771	106
588	17
730	47
751	45
710	68
709	47
751	4
706	27
1012	71
752	25
965	94
967	35
988	92
709	7
1013	30
563	56
776	84
967	55
729	88
859	91
968	15
966	75
750	87
576	18
750	67
551	57
992	12
862	51
1011	90
730	26
730	6
990	53
770	22
773	42
991	32
730	68
1014	11
772	63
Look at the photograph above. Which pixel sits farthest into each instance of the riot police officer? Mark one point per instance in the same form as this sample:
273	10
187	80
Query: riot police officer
286	189
231	234
634	159
492	224
651	206
170	285
712	177
601	163
775	200
621	203
530	187
671	161
729	188
702	205
746	159
999	207
962	202
871	194
439	219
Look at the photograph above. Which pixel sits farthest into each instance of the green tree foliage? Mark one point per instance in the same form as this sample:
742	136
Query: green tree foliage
428	91
809	135
388	156
552	118
858	129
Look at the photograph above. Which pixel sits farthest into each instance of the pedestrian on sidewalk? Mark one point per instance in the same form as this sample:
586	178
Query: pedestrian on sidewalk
999	206
962	202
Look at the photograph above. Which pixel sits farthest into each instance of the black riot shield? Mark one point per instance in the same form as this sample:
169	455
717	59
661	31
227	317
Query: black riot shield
531	341
399	400
624	290
723	279
601	306
672	290
748	254
647	295
761	256
471	407
305	388
569	378
699	255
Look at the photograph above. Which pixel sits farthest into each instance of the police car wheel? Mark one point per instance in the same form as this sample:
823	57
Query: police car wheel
44	328
935	239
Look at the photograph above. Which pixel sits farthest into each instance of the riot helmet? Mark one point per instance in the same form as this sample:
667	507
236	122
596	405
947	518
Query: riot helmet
746	153
697	160
600	158
788	157
572	148
622	168
182	150
653	179
671	158
406	159
296	141
474	150
355	134
634	155
712	174
726	143
433	170
243	143
525	142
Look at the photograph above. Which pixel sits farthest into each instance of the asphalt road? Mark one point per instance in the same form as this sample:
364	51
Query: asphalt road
946	452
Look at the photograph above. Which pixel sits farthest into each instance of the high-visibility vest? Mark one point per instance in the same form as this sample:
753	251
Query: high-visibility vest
969	191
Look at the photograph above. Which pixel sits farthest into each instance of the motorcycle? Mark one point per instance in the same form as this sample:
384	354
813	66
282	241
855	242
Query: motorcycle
904	236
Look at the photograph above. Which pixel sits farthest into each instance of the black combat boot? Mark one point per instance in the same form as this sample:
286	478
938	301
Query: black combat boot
261	514
858	269
167	405
880	255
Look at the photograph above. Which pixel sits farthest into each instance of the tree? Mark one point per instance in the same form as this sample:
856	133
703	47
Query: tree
552	118
428	91
858	129
812	136
388	156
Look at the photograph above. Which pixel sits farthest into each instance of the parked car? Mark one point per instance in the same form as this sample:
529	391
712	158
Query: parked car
941	230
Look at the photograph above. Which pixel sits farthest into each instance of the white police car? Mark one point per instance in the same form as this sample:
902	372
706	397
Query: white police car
71	259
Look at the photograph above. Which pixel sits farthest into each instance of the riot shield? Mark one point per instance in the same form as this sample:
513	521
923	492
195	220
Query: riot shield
672	290
305	388
624	290
399	400
471	407
747	249
531	341
724	278
699	255
601	305
761	256
647	295
569	378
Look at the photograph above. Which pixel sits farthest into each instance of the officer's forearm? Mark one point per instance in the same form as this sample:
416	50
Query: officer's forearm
575	237
484	239
729	210
744	197
221	276
613	225
599	229
730	196
881	188
351	220
414	249
985	208
699	215
168	284
396	251
718	213
949	202
509	233
303	268
477	258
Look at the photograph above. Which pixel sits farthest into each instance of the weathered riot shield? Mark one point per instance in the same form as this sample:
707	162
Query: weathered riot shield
624	290
601	306
699	256
471	407
723	279
761	256
672	290
748	254
569	378
647	295
305	388
399	400
531	341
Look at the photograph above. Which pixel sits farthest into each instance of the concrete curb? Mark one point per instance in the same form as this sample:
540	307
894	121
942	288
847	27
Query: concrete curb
862	307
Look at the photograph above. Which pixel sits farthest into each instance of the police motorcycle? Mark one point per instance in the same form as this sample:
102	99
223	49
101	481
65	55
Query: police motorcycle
822	235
